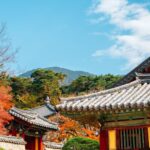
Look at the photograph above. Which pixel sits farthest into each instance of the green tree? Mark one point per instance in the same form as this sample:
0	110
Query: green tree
4	78
22	95
31	92
87	84
80	143
20	86
47	83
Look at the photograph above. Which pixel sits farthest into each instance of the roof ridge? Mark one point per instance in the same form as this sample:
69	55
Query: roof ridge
36	107
47	120
49	106
131	73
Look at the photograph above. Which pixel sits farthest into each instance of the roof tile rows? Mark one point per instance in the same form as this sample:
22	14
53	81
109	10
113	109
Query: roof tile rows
12	139
33	118
134	94
45	110
53	145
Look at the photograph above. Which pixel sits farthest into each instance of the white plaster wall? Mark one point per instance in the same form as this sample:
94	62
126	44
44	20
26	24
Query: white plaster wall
51	149
11	146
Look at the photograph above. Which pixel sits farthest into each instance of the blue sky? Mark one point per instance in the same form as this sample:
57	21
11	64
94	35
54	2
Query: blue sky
78	34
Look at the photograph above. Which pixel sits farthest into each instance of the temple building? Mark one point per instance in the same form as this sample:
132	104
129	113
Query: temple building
32	125
123	111
45	110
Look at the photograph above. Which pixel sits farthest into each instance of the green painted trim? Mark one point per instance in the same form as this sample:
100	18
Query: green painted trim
129	123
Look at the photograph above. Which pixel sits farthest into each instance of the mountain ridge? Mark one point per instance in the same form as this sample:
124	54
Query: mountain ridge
70	74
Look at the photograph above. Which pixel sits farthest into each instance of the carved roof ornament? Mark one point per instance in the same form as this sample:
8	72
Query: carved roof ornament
47	100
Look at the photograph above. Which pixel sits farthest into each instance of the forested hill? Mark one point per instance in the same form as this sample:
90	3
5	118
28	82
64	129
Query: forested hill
70	74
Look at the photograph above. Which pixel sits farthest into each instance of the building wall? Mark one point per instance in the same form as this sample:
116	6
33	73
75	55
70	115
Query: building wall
51	149
11	146
112	142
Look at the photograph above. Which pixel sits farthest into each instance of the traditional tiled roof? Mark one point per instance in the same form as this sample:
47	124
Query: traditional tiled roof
12	139
45	110
131	75
142	75
33	118
132	95
53	145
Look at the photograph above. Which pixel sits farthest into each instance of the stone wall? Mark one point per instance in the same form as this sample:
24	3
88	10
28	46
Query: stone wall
12	143
52	146
11	146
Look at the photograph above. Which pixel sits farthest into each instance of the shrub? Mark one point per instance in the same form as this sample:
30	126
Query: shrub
80	143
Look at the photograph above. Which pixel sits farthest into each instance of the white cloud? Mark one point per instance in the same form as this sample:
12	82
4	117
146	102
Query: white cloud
98	53
133	43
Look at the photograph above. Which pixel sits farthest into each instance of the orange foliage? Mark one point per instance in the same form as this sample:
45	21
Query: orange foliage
69	128
5	105
91	134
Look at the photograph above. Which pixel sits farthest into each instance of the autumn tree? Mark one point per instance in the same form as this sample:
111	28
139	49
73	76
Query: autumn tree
7	54
5	96
69	128
5	105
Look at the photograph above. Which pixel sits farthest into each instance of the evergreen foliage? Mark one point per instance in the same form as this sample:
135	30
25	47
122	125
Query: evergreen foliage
80	143
31	92
70	74
88	84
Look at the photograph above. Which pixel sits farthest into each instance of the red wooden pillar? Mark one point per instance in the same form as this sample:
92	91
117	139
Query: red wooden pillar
103	140
41	144
23	135
13	133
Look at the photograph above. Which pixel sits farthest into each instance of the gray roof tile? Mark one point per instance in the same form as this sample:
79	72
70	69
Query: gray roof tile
44	110
12	139
136	93
33	118
53	145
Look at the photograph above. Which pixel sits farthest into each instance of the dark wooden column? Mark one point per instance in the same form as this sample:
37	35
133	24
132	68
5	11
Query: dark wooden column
103	140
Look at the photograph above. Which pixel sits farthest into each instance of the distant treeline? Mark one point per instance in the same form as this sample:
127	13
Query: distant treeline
31	92
88	84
